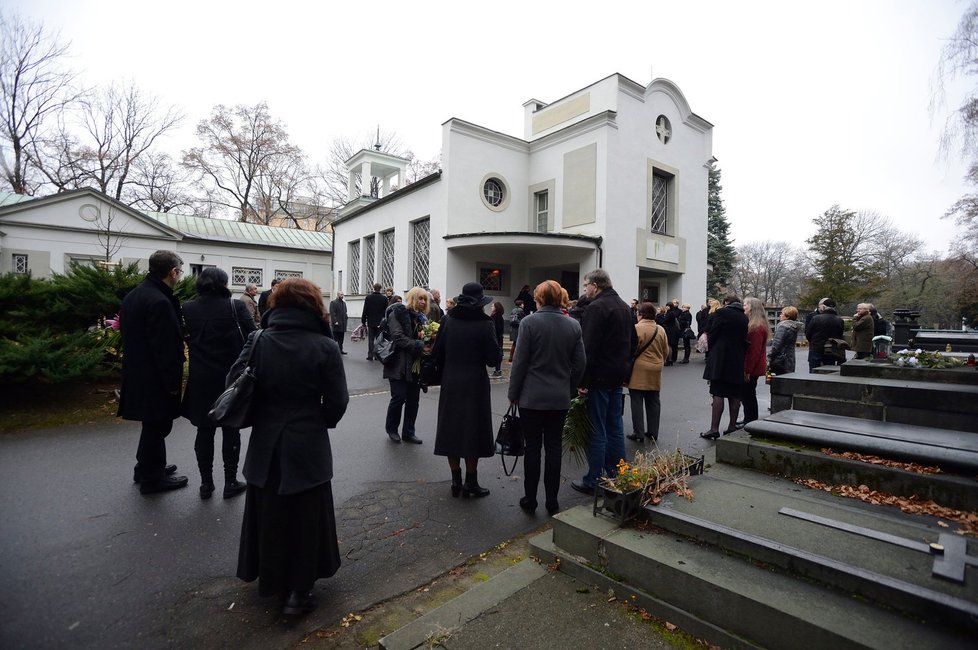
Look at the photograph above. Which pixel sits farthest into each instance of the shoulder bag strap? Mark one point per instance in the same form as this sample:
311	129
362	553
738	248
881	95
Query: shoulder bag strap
251	352
642	349
234	315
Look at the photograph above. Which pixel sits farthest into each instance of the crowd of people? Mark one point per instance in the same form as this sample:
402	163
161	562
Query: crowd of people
593	347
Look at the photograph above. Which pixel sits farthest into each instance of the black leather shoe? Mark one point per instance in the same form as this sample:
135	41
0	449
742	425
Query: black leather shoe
206	490
298	603
582	487
394	437
137	474
414	440
474	491
234	488
342	352
553	508
164	484
527	504
636	438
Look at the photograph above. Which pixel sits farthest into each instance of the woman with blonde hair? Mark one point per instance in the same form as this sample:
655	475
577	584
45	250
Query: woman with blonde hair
755	360
646	378
404	322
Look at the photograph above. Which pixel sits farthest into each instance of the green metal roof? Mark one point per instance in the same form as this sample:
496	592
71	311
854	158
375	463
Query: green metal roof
246	233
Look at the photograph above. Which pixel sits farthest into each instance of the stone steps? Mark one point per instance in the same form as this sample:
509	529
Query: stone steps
766	579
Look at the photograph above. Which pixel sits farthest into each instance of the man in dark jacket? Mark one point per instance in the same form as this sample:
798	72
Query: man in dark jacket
825	325
609	339
338	319
152	369
374	309
263	298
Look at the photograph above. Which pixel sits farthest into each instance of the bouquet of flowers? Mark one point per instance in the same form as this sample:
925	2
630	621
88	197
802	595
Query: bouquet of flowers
922	359
427	333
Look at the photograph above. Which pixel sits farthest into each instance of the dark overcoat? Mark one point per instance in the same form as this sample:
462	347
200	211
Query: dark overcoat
337	315
465	347
300	392
152	353
727	338
403	325
215	342
609	340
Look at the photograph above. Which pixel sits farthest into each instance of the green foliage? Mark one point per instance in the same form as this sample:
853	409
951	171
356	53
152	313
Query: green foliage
86	294
839	256
51	357
719	247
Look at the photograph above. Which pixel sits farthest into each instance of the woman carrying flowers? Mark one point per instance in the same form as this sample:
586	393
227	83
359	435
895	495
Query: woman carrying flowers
405	322
465	347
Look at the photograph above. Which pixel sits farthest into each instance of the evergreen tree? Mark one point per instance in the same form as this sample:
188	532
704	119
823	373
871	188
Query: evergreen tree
719	247
843	256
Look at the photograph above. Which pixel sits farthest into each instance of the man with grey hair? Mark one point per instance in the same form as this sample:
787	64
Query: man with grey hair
609	339
152	369
248	298
435	312
338	319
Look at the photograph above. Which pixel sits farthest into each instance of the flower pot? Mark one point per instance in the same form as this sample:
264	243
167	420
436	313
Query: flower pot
621	506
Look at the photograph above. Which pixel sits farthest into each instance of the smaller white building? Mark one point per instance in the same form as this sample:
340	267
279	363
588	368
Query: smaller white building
43	235
613	175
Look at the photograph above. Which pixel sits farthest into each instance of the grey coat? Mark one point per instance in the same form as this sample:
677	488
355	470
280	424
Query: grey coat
549	361
337	315
781	358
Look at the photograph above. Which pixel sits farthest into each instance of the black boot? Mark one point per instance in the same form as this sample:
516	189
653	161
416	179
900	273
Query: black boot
471	488
206	484
232	486
456	482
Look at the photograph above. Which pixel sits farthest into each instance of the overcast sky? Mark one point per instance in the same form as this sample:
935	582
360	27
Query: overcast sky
812	103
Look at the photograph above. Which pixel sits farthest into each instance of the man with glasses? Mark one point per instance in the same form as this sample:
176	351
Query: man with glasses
609	338
152	369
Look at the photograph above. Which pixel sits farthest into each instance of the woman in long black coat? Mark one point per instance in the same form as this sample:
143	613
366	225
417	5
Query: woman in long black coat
465	347
217	327
727	338
288	535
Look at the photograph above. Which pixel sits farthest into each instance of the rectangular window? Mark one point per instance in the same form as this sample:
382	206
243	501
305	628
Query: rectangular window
354	267
491	278
241	276
387	258
422	249
20	264
286	275
660	204
369	268
542	202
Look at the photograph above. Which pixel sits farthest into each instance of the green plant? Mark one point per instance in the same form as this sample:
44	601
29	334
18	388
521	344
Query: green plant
655	473
923	359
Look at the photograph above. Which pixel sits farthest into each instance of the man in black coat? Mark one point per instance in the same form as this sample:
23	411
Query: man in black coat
374	310
152	369
263	297
609	340
825	325
338	319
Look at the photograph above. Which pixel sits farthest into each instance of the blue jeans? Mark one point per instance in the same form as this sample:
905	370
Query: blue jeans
405	394
604	407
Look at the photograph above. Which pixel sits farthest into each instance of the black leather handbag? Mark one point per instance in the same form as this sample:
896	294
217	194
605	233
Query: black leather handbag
509	438
233	408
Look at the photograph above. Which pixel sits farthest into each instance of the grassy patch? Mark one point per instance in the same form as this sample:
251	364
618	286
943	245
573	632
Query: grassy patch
37	406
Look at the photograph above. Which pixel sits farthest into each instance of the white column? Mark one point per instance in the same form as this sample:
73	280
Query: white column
351	186
365	177
387	186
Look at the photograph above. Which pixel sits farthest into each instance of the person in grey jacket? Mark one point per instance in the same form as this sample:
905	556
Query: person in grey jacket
781	357
338	319
547	370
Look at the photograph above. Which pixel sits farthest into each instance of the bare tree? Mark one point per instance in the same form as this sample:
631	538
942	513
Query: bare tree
33	87
110	238
159	185
771	271
243	150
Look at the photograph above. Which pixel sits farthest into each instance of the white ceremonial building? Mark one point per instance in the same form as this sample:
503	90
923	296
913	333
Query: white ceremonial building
613	175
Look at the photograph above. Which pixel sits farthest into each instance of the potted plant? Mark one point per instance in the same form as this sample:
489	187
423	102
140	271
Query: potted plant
644	481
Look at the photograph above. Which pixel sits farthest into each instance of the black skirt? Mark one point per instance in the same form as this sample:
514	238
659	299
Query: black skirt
725	388
287	541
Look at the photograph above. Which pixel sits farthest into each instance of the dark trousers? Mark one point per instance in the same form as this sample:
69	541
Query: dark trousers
748	399
647	401
674	352
230	450
542	429
686	345
371	335
338	336
151	452
406	394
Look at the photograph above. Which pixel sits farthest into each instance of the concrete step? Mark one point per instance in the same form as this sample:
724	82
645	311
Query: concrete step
931	404
927	445
801	460
772	580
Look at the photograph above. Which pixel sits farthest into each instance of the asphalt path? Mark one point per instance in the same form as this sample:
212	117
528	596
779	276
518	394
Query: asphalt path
86	561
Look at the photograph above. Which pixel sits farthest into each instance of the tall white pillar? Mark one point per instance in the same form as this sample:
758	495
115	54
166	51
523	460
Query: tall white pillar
365	177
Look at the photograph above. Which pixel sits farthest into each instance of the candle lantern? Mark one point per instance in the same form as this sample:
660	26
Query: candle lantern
881	347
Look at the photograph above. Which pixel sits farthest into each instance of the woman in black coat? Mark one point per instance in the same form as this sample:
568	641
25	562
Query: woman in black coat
217	327
685	320
465	346
404	323
727	338
497	322
288	535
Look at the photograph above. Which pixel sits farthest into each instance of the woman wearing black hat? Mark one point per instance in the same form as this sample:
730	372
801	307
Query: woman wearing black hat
465	347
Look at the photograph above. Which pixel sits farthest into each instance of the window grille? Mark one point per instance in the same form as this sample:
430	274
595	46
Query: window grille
20	264
241	276
354	267
288	275
660	203
493	191
491	279
387	258
368	263
422	250
543	211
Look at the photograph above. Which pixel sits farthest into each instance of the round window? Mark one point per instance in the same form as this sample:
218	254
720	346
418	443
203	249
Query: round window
663	129
493	191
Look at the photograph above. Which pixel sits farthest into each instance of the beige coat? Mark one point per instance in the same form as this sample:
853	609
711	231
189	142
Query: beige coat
647	370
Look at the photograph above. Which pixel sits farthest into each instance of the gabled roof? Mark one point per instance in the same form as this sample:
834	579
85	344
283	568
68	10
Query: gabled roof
186	226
